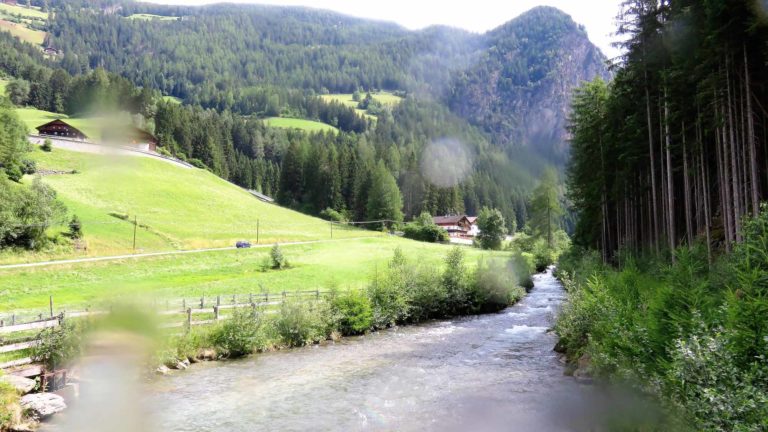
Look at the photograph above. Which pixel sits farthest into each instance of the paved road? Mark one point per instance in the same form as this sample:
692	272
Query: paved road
152	254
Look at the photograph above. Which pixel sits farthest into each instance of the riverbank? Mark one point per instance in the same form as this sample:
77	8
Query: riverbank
689	335
405	292
486	372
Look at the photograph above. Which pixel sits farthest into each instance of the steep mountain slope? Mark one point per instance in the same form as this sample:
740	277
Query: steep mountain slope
519	90
514	82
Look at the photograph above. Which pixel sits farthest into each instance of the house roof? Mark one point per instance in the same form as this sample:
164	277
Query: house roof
472	219
60	122
448	220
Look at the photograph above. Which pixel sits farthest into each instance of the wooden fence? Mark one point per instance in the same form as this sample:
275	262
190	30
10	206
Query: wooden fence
185	307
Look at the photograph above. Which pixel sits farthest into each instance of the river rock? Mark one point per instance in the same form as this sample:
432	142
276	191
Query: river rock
206	354
560	347
180	365
21	384
42	405
163	370
186	362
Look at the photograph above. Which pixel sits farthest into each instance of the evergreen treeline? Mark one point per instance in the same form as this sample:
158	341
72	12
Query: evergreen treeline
306	171
675	148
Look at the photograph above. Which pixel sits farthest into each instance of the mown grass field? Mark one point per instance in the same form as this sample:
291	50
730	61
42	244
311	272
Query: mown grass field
151	17
35	37
344	264
292	123
32	13
176	208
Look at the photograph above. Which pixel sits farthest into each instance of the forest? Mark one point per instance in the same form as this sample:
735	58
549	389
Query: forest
667	279
310	172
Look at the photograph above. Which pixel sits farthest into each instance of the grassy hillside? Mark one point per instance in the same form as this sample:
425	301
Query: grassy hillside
343	264
24	33
176	208
292	123
34	117
384	97
3	84
151	17
31	13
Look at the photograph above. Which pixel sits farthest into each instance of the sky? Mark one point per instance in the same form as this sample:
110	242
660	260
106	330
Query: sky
597	16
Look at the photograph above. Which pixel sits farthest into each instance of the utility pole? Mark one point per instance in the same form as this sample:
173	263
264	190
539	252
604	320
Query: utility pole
331	222
257	231
135	224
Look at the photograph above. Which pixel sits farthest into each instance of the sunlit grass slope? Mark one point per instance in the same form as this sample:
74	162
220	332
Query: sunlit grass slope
293	123
342	264
176	207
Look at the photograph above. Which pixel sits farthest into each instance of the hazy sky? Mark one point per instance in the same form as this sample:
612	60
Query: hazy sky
598	16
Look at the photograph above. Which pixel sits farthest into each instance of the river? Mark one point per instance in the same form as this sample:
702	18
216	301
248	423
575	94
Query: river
491	372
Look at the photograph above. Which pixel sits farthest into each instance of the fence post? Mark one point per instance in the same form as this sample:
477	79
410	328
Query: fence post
234	299
183	304
40	317
50	305
250	298
218	300
189	319
216	312
202	302
13	319
2	323
317	294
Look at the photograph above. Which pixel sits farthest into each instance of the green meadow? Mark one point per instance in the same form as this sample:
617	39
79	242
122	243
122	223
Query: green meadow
24	33
293	123
32	13
151	17
175	207
342	264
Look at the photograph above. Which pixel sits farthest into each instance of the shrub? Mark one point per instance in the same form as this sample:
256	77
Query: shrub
164	152
302	323
495	286
58	346
75	228
389	293
277	259
353	311
28	167
706	381
197	163
425	230
47	145
332	215
456	283
426	294
237	336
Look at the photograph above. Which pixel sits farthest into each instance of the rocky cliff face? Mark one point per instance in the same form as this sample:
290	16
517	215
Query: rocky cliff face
520	88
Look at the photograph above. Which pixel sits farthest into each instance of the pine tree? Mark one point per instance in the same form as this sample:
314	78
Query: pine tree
384	200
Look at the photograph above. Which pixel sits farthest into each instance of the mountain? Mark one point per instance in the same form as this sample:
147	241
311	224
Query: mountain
520	88
514	82
491	106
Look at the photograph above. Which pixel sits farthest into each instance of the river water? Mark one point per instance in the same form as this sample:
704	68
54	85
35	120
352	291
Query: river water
492	372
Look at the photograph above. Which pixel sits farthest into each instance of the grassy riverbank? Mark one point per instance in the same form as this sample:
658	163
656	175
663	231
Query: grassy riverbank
344	264
690	333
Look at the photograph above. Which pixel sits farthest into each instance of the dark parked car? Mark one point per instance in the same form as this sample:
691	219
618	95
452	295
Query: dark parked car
242	244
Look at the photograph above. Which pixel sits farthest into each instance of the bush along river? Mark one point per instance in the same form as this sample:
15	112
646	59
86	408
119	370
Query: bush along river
490	372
